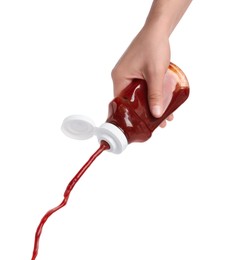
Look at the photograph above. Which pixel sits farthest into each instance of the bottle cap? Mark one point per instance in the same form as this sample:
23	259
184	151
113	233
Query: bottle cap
78	127
81	128
113	136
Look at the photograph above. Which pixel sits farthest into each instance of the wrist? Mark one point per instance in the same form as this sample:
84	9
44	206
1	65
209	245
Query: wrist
159	24
165	14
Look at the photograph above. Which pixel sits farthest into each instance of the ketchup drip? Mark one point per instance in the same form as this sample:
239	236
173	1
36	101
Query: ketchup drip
103	146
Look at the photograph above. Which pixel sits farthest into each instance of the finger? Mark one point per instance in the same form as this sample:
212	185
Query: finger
170	117
163	124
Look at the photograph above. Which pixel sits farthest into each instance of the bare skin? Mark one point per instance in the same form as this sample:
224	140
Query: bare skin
148	55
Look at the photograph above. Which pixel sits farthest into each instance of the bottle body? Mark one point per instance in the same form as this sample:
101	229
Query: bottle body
129	118
130	110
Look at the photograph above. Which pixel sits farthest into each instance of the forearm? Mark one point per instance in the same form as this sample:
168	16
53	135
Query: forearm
166	14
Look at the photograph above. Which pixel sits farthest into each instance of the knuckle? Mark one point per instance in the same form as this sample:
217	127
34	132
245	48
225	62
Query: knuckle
116	72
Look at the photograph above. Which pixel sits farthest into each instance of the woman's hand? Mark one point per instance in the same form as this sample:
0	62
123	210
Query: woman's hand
148	58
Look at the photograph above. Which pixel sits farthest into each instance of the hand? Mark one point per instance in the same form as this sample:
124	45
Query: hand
148	57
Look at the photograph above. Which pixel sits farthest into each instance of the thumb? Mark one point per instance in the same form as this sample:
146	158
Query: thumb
156	94
160	91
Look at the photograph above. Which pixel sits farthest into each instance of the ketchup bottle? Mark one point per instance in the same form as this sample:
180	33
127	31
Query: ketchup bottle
129	118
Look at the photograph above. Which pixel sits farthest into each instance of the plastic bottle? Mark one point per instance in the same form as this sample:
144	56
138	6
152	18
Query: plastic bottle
129	118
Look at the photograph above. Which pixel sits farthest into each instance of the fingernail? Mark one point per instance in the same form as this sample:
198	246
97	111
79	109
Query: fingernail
157	111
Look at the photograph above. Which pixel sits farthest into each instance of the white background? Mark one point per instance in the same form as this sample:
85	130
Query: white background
180	195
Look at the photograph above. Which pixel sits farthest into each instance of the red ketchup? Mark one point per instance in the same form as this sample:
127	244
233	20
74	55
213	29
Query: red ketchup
129	118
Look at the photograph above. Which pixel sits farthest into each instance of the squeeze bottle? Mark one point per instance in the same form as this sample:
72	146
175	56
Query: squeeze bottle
129	118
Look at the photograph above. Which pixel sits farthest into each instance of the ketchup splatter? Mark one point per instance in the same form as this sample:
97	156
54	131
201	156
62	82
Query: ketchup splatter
103	146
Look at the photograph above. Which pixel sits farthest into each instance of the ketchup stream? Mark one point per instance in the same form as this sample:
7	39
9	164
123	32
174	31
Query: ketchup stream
103	146
130	113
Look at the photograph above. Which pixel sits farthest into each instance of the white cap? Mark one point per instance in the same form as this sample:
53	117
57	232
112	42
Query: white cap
78	127
113	136
82	128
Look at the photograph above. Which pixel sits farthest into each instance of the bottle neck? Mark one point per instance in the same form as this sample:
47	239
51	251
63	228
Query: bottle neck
113	136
